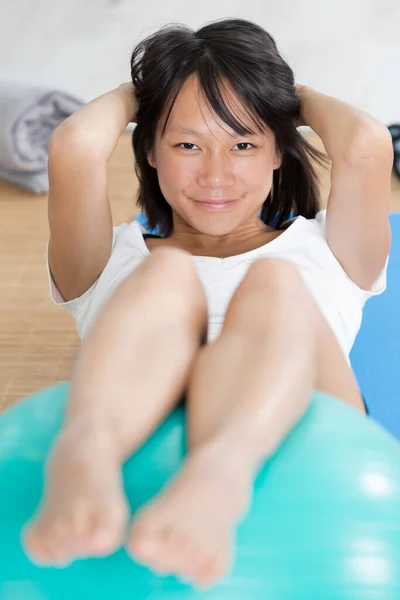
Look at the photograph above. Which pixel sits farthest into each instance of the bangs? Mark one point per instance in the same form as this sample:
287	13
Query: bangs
214	91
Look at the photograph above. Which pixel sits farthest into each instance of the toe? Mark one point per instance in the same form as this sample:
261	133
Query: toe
192	568
209	572
61	542
142	546
213	567
100	535
36	544
151	542
143	541
176	553
103	540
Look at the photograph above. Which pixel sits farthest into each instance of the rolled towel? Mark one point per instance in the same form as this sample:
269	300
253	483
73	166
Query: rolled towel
29	114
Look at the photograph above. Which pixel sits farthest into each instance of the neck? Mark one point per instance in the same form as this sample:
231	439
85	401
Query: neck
217	245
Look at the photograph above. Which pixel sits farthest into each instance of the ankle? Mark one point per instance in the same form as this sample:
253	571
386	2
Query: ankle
233	459
89	435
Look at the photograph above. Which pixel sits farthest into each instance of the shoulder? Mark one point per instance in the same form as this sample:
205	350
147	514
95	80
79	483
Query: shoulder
128	234
303	224
319	226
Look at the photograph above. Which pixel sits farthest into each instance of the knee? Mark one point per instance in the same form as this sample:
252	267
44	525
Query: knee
277	280
273	293
170	273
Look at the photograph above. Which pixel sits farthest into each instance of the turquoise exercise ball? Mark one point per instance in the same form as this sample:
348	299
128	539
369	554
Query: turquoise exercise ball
324	522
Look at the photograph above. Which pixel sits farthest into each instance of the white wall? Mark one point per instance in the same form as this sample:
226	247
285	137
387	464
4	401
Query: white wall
346	48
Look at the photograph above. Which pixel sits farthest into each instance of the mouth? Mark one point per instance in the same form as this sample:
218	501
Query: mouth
215	204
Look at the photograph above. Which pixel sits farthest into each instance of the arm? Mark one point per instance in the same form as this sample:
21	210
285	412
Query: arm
78	208
361	150
102	121
343	128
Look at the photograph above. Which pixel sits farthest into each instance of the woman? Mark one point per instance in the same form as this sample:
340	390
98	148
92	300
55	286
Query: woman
248	301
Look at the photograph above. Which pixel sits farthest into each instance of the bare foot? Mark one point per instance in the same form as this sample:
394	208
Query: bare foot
189	529
85	512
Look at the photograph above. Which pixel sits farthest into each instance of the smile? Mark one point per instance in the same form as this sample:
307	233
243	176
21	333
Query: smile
216	205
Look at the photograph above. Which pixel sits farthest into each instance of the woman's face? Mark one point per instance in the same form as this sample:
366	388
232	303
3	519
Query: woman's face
212	162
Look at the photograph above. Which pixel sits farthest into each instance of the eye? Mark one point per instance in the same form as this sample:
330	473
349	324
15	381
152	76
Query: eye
239	144
245	144
184	144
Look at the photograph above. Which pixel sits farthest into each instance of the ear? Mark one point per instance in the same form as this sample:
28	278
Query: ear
277	160
150	160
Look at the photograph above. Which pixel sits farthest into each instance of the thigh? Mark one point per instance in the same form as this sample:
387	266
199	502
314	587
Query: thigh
274	287
163	287
334	375
164	273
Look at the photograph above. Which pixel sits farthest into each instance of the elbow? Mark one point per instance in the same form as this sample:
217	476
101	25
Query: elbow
70	141
372	140
62	137
65	129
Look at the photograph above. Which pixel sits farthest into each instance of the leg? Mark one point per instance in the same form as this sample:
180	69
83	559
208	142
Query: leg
247	391
152	325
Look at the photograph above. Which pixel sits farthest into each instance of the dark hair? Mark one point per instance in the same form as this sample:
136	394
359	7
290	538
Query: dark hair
245	55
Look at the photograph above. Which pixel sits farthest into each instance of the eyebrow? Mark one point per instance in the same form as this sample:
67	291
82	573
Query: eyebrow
181	129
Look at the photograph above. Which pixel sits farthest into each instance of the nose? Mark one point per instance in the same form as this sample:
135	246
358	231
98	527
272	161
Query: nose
216	172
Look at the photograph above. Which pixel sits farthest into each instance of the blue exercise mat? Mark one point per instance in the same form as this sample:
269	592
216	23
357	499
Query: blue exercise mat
375	356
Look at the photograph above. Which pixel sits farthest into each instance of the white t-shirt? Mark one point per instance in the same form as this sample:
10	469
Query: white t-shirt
303	243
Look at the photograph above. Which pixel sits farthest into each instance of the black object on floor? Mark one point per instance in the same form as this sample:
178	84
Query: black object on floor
395	133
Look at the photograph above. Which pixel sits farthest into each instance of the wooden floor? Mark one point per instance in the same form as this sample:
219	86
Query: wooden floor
38	340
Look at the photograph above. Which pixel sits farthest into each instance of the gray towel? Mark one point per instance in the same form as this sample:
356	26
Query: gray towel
29	114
